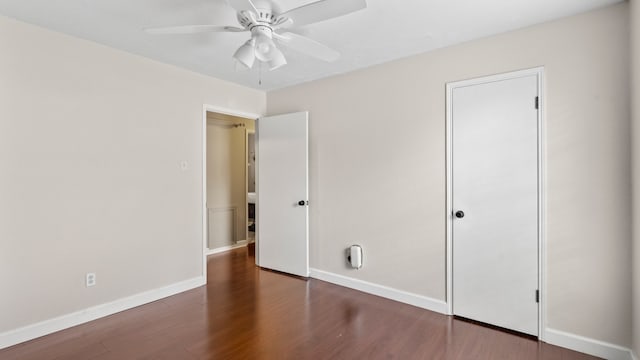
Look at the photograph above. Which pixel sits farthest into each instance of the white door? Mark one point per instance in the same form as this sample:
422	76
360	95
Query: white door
282	190
495	202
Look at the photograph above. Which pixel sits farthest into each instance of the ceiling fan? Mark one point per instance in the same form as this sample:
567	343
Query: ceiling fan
264	20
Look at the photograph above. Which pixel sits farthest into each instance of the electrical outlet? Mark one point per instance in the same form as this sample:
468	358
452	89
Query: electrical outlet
91	279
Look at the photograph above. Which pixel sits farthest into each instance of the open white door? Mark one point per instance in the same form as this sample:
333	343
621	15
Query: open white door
282	189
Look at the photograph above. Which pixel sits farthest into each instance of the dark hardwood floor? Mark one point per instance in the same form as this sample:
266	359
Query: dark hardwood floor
248	313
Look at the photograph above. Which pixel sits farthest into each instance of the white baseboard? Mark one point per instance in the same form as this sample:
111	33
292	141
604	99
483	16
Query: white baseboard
46	327
240	244
380	290
588	346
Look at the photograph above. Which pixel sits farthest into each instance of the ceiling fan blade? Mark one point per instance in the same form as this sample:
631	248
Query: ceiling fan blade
242	5
323	10
307	46
192	29
282	22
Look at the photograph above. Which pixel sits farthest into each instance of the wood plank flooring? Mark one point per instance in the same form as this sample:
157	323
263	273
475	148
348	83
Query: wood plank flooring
248	313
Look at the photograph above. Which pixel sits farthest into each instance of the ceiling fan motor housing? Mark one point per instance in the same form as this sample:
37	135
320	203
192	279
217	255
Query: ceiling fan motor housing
261	22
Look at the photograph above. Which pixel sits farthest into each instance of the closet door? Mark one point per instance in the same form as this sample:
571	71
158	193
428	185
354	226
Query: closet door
495	202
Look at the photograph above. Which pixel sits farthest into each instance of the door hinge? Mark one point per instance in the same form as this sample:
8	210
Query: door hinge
537	102
537	296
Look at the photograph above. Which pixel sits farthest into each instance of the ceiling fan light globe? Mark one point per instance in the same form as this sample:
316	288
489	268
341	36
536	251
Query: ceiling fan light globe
264	48
246	54
277	60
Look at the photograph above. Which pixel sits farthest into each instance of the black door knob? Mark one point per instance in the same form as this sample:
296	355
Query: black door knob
459	214
301	202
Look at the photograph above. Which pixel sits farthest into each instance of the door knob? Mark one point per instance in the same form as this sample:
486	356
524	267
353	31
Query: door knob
459	214
302	202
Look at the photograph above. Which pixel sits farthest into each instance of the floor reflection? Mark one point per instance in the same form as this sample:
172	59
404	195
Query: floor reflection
248	313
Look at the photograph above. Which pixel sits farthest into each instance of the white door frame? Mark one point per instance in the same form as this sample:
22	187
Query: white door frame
539	71
246	177
205	229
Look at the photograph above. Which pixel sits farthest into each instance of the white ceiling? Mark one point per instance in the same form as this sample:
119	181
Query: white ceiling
385	31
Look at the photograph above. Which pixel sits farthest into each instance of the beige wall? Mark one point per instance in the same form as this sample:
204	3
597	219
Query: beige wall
635	109
377	165
91	141
227	173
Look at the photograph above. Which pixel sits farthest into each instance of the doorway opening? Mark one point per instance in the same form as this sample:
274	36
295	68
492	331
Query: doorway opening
280	211
229	176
